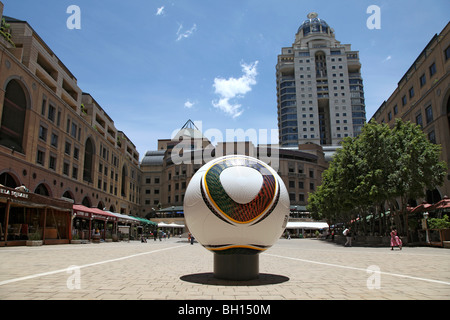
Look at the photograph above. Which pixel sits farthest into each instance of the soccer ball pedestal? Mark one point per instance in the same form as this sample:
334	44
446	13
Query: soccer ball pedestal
236	207
239	267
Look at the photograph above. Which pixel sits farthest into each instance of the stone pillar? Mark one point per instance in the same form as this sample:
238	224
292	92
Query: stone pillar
239	267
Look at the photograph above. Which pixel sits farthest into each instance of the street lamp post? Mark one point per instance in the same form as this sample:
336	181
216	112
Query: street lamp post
425	217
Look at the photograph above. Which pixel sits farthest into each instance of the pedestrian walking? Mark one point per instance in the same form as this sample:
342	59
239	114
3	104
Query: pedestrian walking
348	235
395	239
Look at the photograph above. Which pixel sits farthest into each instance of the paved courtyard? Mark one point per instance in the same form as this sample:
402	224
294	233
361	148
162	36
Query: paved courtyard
297	269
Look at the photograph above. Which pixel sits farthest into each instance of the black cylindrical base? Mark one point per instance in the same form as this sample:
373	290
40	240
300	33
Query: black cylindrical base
238	267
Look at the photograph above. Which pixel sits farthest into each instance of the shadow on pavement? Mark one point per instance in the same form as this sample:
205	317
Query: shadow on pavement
209	279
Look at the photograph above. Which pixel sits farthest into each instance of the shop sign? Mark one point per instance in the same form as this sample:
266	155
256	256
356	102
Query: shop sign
14	193
82	214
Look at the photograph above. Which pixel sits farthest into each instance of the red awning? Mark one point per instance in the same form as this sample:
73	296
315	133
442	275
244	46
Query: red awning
421	208
95	213
443	204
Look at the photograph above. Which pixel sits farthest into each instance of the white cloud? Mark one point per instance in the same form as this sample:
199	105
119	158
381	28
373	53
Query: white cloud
160	11
232	88
187	33
387	58
188	104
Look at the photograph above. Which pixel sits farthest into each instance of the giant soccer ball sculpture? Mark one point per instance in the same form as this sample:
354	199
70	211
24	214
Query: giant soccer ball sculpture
237	207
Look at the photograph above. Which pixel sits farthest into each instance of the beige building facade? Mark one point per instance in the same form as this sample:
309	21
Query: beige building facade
166	174
423	97
54	138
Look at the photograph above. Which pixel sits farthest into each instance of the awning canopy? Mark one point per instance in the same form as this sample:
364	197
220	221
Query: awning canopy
170	225
420	208
94	213
145	221
443	204
124	218
307	225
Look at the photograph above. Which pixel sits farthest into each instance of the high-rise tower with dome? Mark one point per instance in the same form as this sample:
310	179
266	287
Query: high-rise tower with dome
320	93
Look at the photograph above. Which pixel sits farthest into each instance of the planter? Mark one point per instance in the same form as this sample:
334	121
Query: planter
108	240
96	238
34	243
115	238
51	233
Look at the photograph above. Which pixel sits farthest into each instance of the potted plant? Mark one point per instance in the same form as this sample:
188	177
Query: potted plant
35	239
76	239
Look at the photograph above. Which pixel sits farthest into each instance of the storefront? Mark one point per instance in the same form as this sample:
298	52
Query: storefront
90	221
26	216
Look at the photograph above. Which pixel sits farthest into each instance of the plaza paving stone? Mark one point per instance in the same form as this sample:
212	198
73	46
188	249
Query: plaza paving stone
297	269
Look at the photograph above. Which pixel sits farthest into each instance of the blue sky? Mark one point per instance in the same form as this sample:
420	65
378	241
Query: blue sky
154	64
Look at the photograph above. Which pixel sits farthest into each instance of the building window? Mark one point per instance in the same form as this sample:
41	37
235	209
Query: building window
389	116
411	92
67	148
44	105
447	53
74	130
429	114
75	172
419	120
66	167
54	140
432	69
52	162
51	113
40	157
423	80
88	161
42	133
58	119
76	153
395	109
404	101
301	197
432	137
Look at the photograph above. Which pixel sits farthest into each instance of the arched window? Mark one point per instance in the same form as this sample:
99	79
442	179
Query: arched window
86	202
88	160
8	180
13	116
68	195
100	205
42	190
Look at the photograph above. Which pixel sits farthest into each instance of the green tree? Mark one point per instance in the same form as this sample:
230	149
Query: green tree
378	166
416	167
